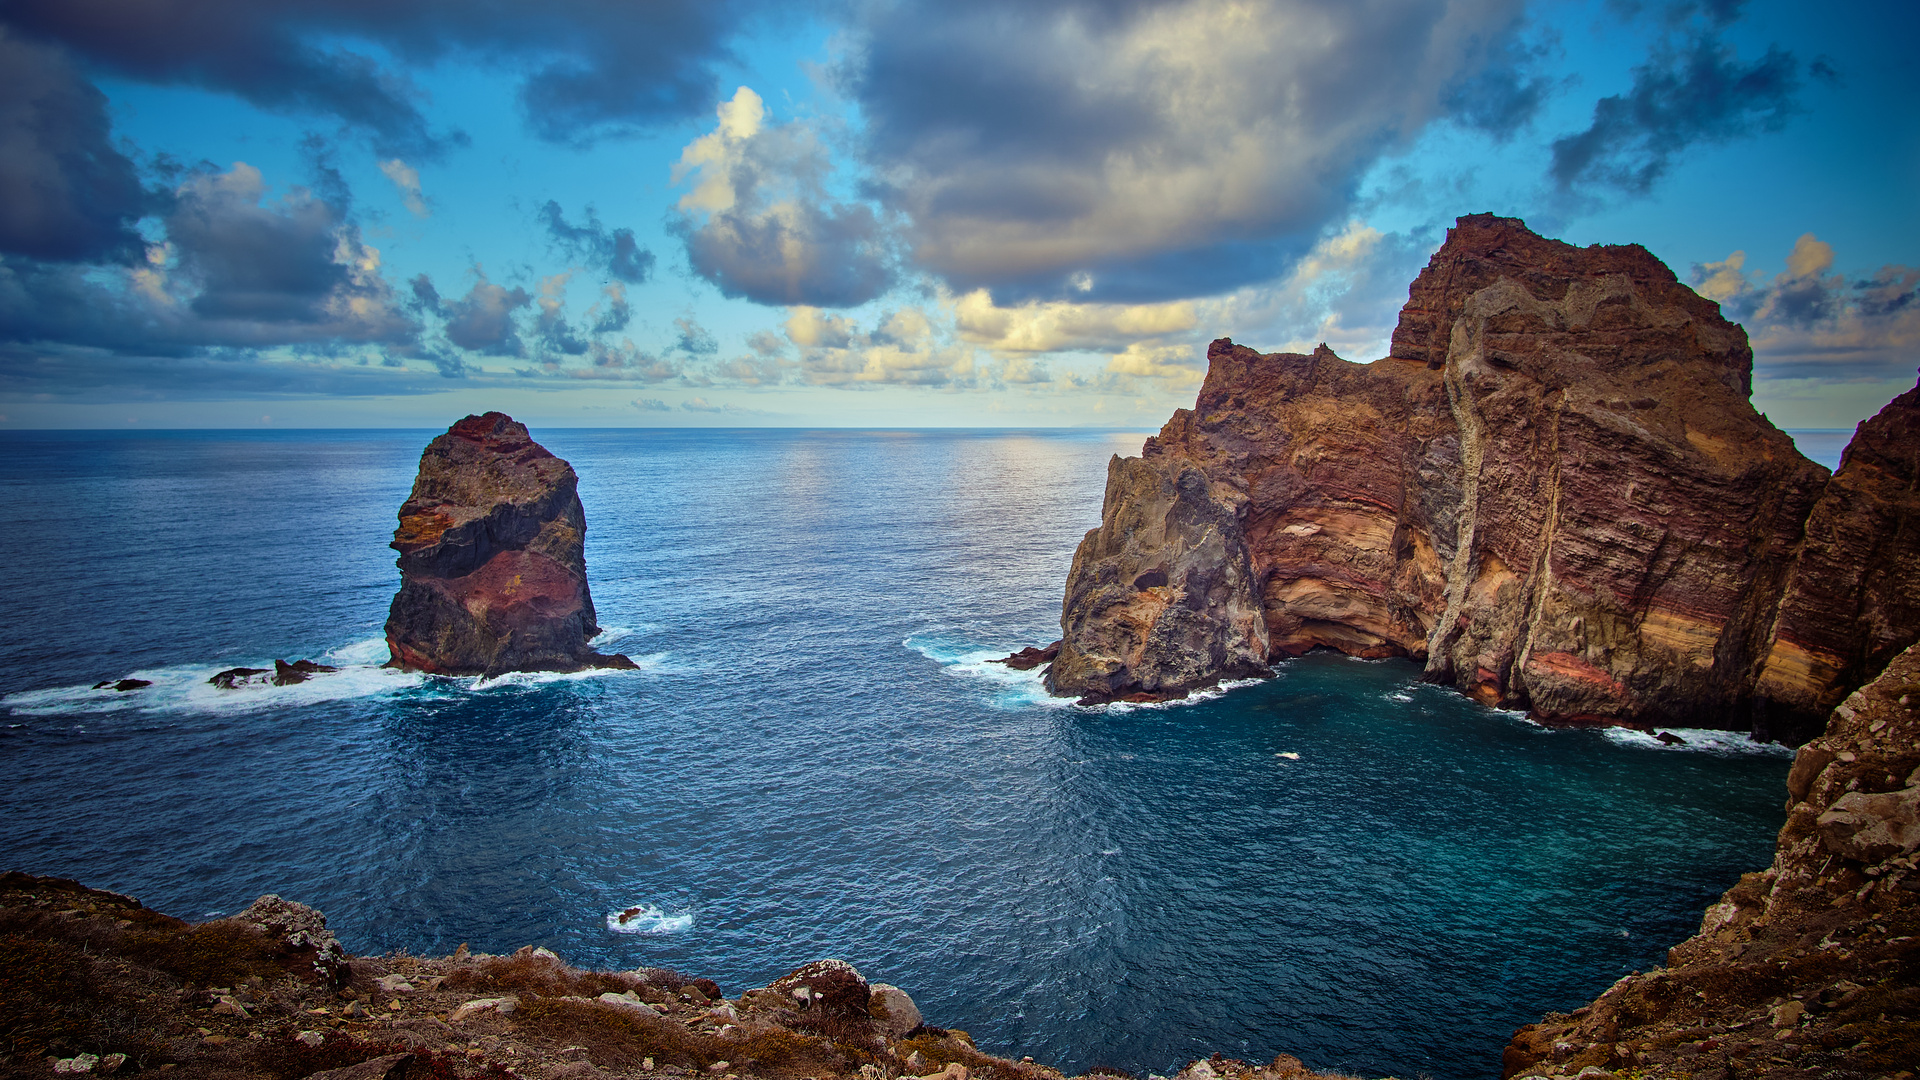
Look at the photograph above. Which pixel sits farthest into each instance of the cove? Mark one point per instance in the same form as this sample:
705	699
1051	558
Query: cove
815	760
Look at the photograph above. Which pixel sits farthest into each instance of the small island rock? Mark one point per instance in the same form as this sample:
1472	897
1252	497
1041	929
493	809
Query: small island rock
493	574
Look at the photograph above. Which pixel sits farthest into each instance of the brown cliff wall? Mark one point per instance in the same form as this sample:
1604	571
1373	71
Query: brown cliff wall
1854	599
493	573
1555	492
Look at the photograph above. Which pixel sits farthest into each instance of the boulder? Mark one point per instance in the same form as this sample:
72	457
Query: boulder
500	1006
893	1009
302	932
493	574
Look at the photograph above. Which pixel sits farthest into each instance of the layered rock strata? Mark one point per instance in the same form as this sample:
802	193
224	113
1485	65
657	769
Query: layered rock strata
493	574
1854	599
1554	492
1810	968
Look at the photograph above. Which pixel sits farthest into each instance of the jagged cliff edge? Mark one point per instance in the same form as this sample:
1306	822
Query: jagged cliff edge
1555	492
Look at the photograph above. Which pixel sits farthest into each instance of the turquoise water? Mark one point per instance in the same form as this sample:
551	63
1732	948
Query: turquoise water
814	760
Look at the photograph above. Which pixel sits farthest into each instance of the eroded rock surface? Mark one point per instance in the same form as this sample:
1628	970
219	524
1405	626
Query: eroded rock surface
1854	601
493	574
1810	968
1554	492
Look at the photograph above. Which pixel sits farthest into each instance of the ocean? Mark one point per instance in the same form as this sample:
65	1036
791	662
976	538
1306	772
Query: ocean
815	760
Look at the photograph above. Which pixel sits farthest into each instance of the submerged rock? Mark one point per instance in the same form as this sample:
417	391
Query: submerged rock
281	674
123	685
285	674
1555	493
493	574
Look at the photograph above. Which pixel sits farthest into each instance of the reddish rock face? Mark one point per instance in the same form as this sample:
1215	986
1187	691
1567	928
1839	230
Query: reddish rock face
493	574
1854	599
1555	493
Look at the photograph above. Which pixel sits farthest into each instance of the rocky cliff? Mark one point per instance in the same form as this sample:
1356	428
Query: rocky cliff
493	573
1554	492
1809	968
1854	599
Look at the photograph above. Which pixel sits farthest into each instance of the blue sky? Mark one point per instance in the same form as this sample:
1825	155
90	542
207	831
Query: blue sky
723	212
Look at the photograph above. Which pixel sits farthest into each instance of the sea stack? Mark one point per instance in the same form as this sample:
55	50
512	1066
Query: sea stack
493	573
1554	492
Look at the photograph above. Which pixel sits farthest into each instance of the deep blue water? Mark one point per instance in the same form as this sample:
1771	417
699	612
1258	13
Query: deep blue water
813	761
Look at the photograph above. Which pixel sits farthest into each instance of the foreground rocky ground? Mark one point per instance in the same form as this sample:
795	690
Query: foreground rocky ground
94	982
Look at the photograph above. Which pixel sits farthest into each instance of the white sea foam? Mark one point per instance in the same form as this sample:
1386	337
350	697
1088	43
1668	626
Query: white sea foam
648	919
1697	740
1205	693
186	687
610	634
1010	688
641	665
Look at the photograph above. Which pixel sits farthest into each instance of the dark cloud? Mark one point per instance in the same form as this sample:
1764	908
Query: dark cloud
592	69
1692	90
613	313
614	251
255	261
93	375
65	192
761	225
553	332
482	321
237	270
1157	148
1506	94
694	339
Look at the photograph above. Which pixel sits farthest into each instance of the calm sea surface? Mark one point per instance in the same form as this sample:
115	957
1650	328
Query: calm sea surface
813	759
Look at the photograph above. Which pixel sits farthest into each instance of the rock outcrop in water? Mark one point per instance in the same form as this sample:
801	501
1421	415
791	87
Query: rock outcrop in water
1810	968
1554	492
493	574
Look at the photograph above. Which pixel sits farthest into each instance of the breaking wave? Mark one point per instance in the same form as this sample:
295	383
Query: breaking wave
360	674
648	919
1697	741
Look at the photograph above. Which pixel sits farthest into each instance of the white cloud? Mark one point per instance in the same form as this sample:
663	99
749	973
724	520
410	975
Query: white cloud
1147	150
406	178
1053	326
759	222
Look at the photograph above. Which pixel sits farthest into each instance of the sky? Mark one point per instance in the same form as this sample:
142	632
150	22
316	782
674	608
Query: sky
899	213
